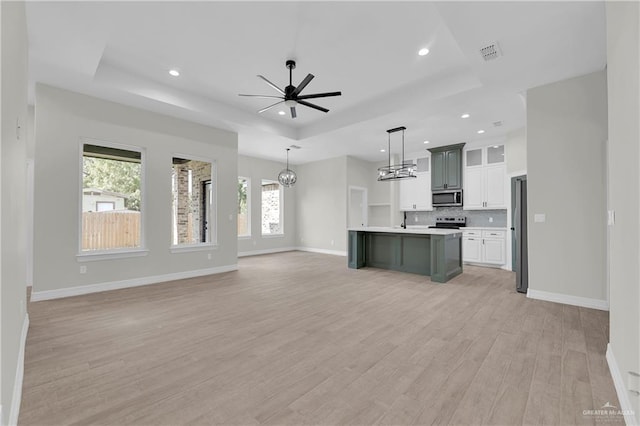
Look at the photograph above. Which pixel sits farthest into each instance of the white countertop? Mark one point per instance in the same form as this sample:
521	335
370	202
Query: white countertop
410	230
491	228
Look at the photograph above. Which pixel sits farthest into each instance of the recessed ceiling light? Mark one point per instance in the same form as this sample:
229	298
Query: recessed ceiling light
495	146
174	73
426	141
480	132
465	115
423	52
383	150
281	112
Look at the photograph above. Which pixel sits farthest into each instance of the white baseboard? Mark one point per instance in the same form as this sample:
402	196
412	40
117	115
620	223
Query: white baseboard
323	251
135	282
584	302
17	383
265	251
618	382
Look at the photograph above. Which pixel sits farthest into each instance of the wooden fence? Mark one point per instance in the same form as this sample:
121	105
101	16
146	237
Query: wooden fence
110	230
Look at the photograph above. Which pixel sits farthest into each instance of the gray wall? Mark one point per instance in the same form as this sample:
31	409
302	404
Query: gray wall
257	169
62	118
566	134
624	177
14	48
321	204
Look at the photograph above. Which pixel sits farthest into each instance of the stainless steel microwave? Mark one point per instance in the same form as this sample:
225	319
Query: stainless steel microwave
447	198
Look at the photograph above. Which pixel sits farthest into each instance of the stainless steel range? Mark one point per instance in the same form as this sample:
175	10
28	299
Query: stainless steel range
450	222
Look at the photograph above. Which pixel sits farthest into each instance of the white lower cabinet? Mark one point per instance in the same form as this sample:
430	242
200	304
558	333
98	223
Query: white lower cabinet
484	246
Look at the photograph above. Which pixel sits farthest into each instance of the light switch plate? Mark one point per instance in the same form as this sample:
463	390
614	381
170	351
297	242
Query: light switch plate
540	217
611	217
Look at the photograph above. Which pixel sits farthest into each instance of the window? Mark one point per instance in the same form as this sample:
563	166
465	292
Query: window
271	208
244	216
111	198
192	191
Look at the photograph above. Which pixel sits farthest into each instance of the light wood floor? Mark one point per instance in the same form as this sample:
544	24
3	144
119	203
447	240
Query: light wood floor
297	338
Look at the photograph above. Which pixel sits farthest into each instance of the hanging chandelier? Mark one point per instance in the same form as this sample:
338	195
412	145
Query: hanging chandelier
287	177
402	170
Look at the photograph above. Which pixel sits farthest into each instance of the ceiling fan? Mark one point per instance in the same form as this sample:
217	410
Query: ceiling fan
291	94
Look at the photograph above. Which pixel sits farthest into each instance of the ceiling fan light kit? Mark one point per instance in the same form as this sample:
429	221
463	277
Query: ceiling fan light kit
290	96
404	169
287	177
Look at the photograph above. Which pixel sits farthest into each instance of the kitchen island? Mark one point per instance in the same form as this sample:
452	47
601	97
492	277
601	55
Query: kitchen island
433	252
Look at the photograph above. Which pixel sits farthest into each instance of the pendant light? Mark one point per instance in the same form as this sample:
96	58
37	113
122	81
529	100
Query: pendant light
405	169
287	177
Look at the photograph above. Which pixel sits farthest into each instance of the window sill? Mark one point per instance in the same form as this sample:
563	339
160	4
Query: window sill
192	247
110	255
272	235
244	237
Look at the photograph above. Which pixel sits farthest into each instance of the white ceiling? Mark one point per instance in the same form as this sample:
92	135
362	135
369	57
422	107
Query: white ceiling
122	51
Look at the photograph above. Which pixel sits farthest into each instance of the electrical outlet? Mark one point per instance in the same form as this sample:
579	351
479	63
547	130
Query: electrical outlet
415	218
332	242
540	217
209	256
83	269
611	217
490	220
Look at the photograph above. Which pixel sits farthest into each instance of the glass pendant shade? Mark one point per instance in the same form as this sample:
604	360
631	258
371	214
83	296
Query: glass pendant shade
287	177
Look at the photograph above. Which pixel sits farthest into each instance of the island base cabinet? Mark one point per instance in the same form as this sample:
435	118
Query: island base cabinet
446	257
439	256
356	249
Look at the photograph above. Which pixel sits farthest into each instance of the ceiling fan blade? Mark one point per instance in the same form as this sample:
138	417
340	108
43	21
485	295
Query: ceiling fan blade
262	96
293	112
269	107
310	105
320	95
302	85
271	84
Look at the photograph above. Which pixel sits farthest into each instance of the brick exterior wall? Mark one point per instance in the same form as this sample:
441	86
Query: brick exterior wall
189	206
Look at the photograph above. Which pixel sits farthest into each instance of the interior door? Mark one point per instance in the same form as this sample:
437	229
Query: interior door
519	232
357	207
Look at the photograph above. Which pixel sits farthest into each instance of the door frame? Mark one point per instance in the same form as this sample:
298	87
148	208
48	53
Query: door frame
365	207
509	260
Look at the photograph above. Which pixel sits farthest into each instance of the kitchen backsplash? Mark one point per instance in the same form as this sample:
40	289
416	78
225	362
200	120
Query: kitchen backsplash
474	217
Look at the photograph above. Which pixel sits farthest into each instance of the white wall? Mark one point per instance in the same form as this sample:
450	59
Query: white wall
257	169
623	58
321	205
516	150
62	119
566	134
14	48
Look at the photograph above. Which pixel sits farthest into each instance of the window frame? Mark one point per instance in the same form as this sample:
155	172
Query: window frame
92	255
213	224
281	207
248	234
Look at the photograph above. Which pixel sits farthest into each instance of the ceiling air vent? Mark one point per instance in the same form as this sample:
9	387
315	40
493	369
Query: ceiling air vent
497	123
295	147
491	51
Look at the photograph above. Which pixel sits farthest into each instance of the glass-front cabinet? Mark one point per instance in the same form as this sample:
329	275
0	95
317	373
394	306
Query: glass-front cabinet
485	178
415	193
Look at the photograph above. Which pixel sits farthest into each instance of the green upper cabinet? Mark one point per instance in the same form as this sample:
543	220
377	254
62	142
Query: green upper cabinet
446	167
